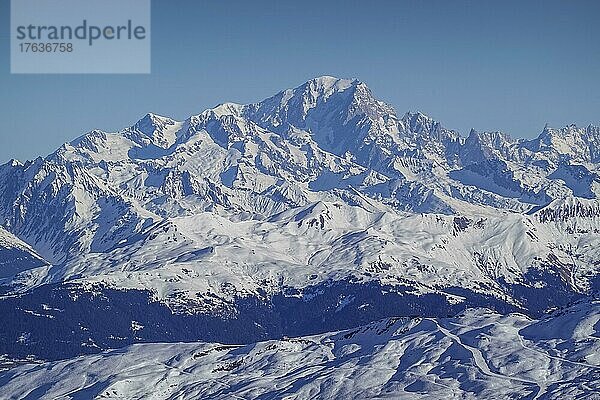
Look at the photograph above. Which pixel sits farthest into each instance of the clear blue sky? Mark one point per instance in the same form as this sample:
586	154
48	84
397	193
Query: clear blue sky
488	65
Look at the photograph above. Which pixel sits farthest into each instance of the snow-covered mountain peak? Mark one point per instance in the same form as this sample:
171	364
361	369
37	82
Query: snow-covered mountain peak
593	130
425	136
421	124
226	109
328	83
570	141
151	122
417	120
328	141
550	135
494	138
155	129
318	202
418	124
479	146
318	96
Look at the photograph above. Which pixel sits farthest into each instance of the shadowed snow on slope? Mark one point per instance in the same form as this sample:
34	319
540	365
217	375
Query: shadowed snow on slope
320	188
477	355
16	256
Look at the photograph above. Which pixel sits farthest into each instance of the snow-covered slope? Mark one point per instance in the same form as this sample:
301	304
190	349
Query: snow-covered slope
319	198
17	256
479	354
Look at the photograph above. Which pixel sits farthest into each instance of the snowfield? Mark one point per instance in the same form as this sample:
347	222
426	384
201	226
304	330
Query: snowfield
479	354
315	184
316	210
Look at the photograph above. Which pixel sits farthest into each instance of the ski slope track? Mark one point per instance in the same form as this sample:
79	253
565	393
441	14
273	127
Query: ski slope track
316	210
479	354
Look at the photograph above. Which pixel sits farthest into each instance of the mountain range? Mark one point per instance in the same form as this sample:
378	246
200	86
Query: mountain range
316	210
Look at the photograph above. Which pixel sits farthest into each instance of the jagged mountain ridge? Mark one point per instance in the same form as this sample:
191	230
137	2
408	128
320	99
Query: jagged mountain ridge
322	178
